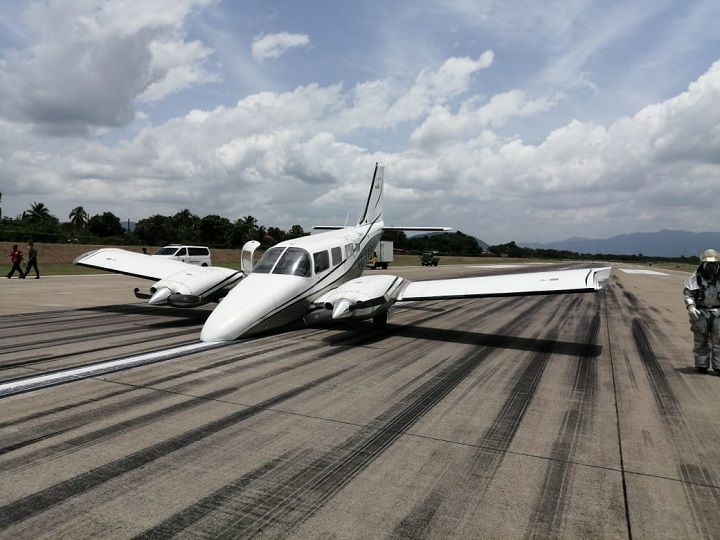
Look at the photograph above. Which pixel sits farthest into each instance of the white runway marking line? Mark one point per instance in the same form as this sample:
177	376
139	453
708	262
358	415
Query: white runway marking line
85	372
648	272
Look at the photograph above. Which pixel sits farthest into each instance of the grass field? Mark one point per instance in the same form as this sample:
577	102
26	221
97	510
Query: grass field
57	259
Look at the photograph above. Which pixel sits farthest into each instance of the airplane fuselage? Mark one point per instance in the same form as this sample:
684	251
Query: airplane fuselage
288	278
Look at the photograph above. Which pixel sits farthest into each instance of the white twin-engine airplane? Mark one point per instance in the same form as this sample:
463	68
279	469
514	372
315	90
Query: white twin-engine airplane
317	277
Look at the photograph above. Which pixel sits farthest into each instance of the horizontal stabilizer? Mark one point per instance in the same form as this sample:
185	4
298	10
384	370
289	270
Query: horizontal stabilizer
430	229
385	228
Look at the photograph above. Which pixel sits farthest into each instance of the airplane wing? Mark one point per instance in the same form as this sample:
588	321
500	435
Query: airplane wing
546	282
373	296
130	263
178	284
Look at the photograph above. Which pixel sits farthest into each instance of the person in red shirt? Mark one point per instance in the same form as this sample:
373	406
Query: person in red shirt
16	258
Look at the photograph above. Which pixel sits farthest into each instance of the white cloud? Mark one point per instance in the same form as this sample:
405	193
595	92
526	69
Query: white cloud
453	135
91	60
274	45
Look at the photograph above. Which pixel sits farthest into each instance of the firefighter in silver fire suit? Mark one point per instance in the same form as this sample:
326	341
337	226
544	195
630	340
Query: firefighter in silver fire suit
702	299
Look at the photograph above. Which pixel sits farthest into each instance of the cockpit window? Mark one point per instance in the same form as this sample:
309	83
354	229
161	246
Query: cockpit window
291	262
268	260
294	262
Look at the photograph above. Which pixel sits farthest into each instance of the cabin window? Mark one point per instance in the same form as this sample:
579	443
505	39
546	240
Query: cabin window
322	261
348	251
294	262
336	253
268	260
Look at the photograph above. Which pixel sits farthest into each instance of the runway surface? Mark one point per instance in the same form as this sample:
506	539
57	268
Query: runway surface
576	416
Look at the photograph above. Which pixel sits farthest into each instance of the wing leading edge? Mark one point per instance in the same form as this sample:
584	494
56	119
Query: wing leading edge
547	282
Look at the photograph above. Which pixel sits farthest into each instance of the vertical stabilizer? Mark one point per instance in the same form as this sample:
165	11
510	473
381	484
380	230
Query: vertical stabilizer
373	212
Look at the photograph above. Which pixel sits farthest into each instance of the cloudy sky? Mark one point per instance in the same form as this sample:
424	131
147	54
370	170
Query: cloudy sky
508	120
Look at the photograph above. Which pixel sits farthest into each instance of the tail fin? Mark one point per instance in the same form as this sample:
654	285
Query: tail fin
373	211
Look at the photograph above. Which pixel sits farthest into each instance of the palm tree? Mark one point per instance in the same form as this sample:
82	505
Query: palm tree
79	217
38	212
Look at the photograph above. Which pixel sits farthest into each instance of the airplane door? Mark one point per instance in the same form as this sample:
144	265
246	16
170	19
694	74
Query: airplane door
246	256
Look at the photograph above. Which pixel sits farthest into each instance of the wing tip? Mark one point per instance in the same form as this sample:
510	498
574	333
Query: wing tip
601	276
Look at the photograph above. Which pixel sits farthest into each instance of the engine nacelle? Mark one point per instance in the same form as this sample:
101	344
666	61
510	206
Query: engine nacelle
362	298
192	287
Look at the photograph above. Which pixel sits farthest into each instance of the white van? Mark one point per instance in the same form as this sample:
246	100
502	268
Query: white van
199	255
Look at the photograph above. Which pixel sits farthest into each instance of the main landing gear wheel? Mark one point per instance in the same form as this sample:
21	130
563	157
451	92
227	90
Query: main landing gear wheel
380	320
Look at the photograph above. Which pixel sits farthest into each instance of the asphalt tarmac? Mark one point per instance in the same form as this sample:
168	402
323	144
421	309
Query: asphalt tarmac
573	416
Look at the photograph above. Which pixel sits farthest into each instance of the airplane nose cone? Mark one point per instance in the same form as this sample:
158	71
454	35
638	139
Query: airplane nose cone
242	310
233	317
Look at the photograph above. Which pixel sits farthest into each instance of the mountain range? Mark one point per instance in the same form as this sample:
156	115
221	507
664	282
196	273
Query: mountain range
664	243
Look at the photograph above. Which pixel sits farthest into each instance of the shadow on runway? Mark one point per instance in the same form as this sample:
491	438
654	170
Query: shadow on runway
365	332
370	334
690	370
500	341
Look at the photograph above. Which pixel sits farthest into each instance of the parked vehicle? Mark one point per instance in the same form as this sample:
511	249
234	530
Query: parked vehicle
199	255
428	258
382	257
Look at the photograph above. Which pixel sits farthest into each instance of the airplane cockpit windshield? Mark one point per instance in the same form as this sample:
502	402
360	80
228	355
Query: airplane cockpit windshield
292	261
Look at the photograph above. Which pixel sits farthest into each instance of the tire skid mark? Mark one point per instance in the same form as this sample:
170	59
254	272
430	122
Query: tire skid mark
42	328
495	443
78	443
416	524
179	388
107	348
695	478
113	409
175	525
497	439
35	360
665	399
77	323
282	506
57	494
34	440
547	518
30	322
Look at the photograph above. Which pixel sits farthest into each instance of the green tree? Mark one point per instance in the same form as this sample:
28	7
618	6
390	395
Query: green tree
79	217
105	225
275	235
296	231
156	230
187	227
38	212
216	231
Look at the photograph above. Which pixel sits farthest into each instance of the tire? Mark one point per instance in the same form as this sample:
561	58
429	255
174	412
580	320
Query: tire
381	319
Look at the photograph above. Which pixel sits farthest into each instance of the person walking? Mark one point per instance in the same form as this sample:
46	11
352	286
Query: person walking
16	258
32	261
702	299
